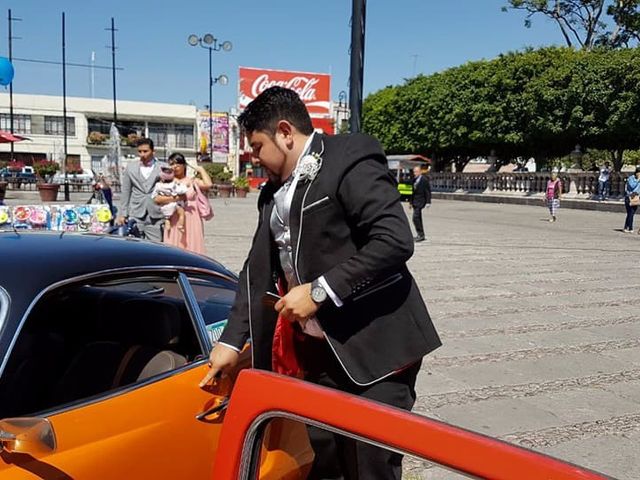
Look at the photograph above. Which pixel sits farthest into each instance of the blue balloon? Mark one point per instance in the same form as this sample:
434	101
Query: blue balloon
6	71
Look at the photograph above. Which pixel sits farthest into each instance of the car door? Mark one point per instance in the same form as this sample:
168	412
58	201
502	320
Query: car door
113	363
247	449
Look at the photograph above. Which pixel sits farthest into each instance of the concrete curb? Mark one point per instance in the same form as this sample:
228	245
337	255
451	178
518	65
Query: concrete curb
579	204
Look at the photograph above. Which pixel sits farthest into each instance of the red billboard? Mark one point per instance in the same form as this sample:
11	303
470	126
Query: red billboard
313	88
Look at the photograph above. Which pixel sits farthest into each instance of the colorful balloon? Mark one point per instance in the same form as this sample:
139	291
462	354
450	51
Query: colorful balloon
6	71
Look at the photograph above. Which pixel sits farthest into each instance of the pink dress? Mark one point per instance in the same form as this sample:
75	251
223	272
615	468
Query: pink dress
192	238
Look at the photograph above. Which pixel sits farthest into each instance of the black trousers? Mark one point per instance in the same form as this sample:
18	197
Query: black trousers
631	211
417	221
339	457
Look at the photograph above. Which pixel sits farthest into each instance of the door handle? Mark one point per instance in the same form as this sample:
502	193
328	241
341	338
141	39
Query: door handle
218	408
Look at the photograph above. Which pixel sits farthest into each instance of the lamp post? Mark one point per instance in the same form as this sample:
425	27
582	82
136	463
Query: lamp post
209	42
342	112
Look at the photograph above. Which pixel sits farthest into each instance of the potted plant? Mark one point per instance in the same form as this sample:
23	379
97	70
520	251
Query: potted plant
241	184
97	138
15	166
45	170
220	176
131	140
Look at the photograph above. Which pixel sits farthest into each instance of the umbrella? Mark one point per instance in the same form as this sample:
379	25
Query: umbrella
8	137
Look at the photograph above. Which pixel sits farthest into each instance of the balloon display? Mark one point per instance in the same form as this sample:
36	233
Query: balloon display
6	71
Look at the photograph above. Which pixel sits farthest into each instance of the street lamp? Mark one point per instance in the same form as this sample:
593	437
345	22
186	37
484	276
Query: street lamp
342	98
209	42
342	111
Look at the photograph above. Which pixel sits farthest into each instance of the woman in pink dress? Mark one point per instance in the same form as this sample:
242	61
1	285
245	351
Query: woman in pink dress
192	237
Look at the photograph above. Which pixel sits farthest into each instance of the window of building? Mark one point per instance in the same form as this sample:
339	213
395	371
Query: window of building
21	123
55	125
99	125
158	133
184	136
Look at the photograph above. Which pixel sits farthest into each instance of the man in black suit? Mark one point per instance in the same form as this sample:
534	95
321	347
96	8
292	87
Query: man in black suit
333	235
420	198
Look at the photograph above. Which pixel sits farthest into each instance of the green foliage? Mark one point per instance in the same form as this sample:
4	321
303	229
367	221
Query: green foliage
631	157
241	182
46	169
537	102
217	172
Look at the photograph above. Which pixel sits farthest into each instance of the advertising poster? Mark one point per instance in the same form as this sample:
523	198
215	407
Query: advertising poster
220	132
313	88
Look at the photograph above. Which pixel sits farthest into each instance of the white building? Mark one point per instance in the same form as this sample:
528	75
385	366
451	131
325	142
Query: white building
38	117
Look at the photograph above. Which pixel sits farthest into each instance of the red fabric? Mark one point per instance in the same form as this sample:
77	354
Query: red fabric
283	351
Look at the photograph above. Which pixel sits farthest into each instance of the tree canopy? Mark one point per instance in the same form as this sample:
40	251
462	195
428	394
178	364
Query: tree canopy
587	23
537	102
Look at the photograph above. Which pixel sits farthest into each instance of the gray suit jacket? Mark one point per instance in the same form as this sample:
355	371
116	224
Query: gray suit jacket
135	199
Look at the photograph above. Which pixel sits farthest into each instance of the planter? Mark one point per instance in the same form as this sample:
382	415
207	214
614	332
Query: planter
225	190
3	190
48	191
241	192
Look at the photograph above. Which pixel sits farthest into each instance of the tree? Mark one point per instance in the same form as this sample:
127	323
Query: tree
537	102
626	16
584	23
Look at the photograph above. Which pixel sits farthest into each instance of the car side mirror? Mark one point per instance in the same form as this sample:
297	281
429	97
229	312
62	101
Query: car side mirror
30	435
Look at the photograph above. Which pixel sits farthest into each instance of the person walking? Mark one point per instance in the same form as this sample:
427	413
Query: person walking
420	198
553	195
631	199
604	181
191	237
333	240
138	180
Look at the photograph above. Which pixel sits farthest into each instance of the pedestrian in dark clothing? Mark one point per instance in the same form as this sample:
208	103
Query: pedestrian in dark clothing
420	199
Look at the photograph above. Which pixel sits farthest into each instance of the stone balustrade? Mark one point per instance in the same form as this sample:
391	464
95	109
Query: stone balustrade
582	185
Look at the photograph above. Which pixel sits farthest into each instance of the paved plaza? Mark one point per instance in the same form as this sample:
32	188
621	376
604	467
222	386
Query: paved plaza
540	324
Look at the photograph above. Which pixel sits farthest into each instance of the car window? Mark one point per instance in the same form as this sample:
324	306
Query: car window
86	339
283	449
215	296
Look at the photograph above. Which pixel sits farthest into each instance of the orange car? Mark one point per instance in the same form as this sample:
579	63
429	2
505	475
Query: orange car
103	343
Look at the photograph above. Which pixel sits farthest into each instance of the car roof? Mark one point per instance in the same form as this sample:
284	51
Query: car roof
32	261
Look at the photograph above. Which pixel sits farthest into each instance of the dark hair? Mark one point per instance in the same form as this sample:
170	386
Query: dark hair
273	105
638	169
176	158
145	141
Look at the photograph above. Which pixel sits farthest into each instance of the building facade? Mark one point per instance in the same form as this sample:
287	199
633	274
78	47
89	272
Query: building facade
39	118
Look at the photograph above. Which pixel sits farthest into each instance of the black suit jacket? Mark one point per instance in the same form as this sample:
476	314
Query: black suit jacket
421	192
348	225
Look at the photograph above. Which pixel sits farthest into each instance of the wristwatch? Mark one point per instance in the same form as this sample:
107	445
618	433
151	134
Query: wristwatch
318	293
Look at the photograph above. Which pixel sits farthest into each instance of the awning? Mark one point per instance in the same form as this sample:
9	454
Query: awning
8	137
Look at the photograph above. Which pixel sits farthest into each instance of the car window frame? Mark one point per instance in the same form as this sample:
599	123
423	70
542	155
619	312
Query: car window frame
198	323
5	303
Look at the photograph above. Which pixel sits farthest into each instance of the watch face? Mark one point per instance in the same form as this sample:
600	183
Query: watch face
318	294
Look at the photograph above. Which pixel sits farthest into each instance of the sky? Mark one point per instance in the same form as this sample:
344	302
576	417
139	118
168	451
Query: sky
403	38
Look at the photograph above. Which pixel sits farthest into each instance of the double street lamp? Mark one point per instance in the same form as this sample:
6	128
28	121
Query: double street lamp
211	43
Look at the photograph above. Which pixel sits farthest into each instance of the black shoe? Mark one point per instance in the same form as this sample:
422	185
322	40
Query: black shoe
418	239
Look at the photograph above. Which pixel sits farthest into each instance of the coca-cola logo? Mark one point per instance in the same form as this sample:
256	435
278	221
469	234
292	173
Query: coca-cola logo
303	86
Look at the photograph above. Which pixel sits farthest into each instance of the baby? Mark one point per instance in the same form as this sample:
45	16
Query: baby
168	187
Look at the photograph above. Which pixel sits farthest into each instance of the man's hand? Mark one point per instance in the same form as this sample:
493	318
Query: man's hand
120	220
221	359
297	305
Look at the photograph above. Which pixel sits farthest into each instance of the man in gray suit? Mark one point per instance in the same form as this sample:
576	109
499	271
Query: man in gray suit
136	203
